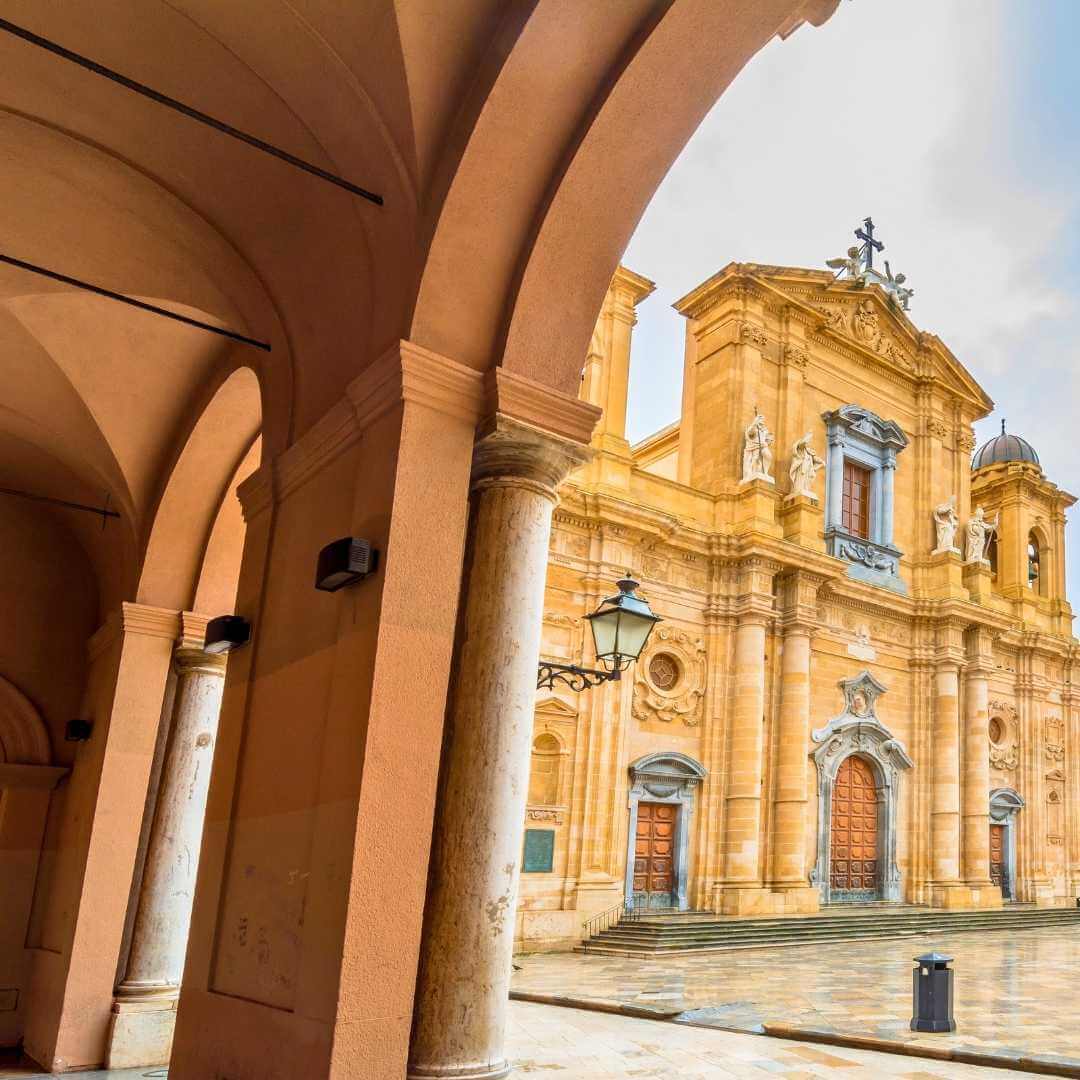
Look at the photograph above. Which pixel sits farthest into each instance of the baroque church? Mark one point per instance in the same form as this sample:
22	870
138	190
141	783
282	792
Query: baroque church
862	686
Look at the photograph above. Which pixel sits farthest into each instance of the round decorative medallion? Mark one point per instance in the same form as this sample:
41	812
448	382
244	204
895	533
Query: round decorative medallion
664	671
997	731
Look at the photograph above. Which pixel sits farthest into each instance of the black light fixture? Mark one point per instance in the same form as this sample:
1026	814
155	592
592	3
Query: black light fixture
78	730
225	633
345	562
621	626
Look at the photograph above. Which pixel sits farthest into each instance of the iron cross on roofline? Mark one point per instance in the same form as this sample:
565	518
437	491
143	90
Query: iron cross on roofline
870	245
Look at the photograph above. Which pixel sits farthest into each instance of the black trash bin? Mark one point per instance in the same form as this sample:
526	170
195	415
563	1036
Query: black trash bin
932	993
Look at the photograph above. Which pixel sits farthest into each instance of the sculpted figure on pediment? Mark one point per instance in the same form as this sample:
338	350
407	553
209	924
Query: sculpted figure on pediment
865	324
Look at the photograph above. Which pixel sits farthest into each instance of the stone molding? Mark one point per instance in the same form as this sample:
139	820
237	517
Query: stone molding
40	777
24	738
538	406
404	373
133	619
512	453
192	630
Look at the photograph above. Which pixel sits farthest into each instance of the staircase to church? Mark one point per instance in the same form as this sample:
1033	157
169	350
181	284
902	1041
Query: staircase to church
677	933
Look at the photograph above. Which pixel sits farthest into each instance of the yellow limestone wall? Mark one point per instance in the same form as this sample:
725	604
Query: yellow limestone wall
763	625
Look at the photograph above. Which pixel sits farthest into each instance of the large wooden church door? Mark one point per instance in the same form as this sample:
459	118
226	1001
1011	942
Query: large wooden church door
654	854
997	858
854	833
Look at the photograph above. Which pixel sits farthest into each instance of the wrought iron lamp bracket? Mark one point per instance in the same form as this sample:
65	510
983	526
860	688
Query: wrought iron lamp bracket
577	678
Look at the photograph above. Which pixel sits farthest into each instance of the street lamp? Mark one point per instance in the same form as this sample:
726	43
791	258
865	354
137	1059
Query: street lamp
620	627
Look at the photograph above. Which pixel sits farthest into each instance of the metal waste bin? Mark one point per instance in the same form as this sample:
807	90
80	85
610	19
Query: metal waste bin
932	993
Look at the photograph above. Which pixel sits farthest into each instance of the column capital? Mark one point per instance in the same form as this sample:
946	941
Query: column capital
515	454
191	661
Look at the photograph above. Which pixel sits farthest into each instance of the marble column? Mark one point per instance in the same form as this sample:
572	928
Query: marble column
789	818
976	851
464	979
742	797
945	803
144	1009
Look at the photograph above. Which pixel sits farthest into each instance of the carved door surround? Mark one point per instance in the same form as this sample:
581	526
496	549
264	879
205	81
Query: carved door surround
1005	804
667	778
858	731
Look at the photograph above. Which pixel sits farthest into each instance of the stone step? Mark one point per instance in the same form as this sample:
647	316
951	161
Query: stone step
673	934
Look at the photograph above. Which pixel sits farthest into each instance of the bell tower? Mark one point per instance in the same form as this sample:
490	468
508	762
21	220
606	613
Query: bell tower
1027	554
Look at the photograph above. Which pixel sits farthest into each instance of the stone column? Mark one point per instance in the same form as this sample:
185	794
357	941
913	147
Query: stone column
461	999
789	823
976	852
836	480
945	802
789	870
888	477
145	1009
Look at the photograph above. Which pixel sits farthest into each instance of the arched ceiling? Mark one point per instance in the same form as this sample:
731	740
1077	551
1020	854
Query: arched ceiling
515	142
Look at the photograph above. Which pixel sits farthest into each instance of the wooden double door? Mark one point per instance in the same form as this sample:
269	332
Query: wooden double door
654	855
999	874
854	846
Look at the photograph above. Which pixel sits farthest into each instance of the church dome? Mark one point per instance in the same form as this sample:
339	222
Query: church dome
1004	447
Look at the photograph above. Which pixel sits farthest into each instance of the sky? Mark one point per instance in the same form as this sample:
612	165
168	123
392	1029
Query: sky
955	124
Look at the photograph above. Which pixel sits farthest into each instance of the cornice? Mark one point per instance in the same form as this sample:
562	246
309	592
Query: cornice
539	406
133	618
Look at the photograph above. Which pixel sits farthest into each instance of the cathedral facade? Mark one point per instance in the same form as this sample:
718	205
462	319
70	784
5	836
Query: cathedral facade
862	688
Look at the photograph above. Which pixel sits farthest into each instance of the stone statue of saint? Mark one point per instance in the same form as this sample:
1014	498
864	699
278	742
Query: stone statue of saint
757	455
946	521
804	467
979	530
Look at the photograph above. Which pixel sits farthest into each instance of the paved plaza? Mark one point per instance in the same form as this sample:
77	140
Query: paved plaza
571	1044
1015	992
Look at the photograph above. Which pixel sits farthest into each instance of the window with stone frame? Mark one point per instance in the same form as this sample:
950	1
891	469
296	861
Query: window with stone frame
855	504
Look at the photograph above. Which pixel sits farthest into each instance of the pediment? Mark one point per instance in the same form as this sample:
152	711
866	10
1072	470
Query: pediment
553	708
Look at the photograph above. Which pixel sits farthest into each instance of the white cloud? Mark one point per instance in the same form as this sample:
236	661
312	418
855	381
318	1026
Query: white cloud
910	112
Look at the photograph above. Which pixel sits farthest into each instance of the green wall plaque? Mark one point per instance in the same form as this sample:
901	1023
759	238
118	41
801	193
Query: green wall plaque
539	851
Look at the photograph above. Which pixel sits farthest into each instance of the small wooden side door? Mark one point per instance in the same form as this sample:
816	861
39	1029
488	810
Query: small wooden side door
997	858
654	854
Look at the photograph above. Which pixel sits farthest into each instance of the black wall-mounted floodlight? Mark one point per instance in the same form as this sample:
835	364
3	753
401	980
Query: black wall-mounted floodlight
345	562
78	730
226	632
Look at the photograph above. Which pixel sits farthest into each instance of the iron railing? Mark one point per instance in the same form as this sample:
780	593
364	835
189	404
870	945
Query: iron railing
624	911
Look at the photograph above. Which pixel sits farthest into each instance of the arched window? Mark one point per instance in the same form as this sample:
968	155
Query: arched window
544	776
1034	564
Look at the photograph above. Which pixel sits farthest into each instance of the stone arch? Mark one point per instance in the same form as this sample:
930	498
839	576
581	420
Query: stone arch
204	476
533	196
24	739
670	778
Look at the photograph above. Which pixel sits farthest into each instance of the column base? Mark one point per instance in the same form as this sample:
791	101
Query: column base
459	1072
141	1032
591	897
966	896
798	900
986	895
1042	893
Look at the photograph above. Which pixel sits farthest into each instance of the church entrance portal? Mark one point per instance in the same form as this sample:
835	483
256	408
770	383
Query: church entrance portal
855	859
654	855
